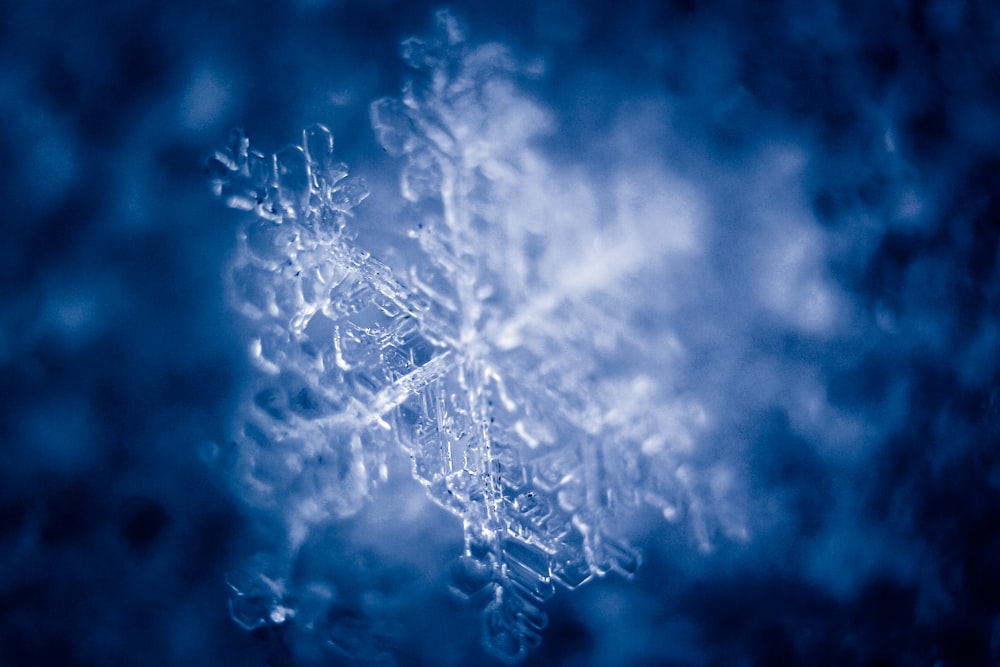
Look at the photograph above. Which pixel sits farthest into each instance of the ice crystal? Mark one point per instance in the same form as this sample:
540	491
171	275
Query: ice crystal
509	359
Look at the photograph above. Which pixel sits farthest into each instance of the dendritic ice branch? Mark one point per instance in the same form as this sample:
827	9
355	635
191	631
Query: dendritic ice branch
507	358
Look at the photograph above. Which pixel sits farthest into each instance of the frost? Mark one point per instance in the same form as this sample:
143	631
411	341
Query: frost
521	359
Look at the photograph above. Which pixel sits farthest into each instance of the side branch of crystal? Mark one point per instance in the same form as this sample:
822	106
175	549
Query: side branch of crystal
337	341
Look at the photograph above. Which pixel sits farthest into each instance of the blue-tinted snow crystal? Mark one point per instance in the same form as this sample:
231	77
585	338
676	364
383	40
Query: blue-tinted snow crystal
487	363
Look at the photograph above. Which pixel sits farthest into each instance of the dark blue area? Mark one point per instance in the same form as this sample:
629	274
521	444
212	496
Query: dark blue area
118	361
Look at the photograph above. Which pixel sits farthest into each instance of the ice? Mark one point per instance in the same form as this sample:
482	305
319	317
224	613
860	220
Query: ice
293	181
317	141
486	362
392	126
239	145
256	600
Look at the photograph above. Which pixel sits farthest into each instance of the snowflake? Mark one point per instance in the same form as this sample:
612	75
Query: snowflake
508	359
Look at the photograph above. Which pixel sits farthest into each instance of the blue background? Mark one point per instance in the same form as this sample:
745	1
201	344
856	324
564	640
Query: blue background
119	358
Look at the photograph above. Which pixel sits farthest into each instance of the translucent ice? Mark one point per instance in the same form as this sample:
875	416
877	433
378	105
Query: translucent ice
498	363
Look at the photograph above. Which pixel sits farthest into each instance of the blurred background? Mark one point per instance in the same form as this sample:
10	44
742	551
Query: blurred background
864	410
